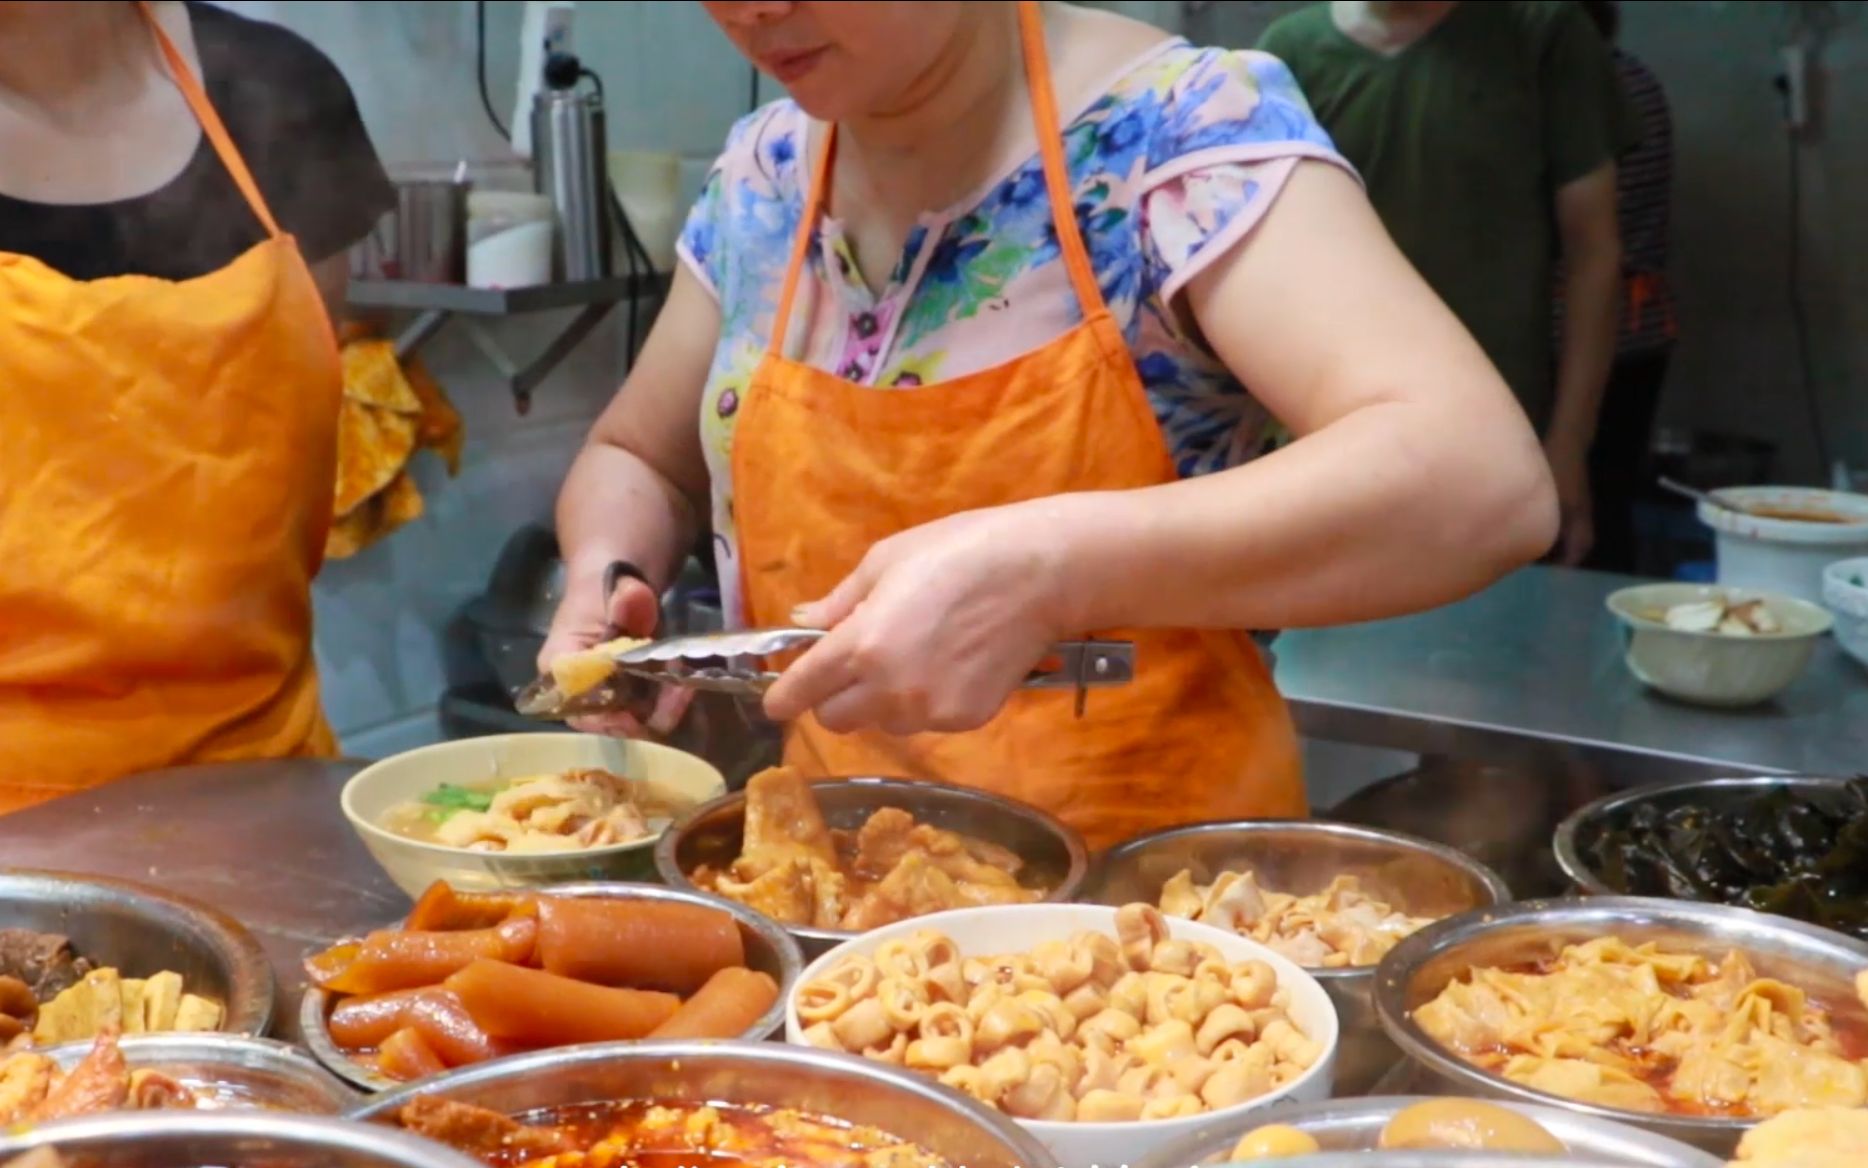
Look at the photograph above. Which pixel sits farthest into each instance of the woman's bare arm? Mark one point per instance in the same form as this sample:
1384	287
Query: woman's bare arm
636	489
1415	478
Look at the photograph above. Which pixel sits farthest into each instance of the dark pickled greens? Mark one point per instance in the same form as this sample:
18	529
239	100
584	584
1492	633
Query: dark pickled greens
1785	852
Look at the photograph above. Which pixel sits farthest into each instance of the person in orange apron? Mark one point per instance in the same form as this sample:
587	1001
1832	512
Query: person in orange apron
167	449
950	507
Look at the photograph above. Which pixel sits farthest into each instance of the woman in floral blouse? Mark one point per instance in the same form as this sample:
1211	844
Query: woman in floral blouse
957	364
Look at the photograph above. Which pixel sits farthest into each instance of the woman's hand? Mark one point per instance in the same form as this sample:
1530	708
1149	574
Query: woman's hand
583	619
936	626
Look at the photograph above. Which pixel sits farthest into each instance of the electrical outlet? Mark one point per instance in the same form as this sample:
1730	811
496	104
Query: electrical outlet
1794	84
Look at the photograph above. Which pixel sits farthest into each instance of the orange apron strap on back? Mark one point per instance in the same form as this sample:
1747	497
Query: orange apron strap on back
211	124
1051	151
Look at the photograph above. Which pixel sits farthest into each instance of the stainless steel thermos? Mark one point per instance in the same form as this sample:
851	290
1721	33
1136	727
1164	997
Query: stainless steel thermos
569	153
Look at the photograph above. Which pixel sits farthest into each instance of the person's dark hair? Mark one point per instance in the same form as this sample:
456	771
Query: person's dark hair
1606	13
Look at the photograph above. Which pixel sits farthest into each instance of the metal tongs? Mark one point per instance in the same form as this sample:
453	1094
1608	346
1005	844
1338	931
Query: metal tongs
729	663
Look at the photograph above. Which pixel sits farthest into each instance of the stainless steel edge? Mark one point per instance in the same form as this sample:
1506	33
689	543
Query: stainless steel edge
1310	854
769	949
1566	841
1821	962
275	1074
944	801
858	1090
95	911
1354	1125
138	1139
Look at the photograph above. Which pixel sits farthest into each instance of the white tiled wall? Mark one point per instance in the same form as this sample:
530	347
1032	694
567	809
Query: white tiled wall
673	84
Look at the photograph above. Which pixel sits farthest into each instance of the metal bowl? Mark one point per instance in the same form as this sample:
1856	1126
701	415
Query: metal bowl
853	1089
1446	1159
1354	1125
769	949
178	1139
1585	825
711	834
1302	856
142	931
236	1072
1821	962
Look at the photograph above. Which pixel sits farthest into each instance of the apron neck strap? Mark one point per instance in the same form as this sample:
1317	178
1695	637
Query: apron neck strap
211	125
1056	184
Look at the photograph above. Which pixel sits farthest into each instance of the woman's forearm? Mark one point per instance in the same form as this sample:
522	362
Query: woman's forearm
1376	515
615	506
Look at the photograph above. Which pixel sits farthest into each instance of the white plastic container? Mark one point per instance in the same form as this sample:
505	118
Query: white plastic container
981	932
1845	591
1769	554
509	237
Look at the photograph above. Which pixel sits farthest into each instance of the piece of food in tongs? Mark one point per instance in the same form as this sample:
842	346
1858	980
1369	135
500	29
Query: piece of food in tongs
576	674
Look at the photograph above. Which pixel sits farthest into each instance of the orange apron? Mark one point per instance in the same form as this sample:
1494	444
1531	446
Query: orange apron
167	452
823	468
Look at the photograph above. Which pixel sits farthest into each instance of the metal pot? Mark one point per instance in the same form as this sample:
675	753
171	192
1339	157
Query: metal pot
175	1139
1583	827
142	931
238	1072
1355	1125
1302	856
768	949
853	1089
1820	962
712	833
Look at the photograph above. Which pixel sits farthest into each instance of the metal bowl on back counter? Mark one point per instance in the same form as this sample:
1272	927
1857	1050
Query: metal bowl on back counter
1353	1126
769	949
142	931
233	1072
1820	962
1578	834
712	834
1302	857
856	1090
183	1139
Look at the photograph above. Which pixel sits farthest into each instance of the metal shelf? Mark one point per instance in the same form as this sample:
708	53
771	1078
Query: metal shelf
436	304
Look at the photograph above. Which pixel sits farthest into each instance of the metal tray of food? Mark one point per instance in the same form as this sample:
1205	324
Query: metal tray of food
1355	1125
712	834
175	1139
1822	963
234	1071
768	949
859	1091
142	931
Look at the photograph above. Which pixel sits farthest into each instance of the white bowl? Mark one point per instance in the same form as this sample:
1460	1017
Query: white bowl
1714	669
1785	555
1845	591
683	780
985	932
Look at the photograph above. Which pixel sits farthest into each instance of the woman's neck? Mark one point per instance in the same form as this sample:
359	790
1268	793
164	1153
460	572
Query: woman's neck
63	56
947	118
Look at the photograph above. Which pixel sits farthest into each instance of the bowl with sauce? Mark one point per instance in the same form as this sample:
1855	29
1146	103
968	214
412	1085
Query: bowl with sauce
523	810
1788	537
1431	993
590	1091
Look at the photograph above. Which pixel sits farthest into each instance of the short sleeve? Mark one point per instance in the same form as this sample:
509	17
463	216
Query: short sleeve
292	114
1234	129
1586	116
699	244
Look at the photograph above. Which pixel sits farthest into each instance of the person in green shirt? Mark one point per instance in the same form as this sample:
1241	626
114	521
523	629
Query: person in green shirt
1487	136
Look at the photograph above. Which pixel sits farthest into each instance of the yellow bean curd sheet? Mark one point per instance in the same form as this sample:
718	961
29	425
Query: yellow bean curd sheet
1643	1029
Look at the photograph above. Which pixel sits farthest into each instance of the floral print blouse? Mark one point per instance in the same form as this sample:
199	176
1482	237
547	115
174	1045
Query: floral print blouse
1176	161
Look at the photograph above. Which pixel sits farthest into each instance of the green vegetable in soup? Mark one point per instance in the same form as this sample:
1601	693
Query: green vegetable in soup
448	798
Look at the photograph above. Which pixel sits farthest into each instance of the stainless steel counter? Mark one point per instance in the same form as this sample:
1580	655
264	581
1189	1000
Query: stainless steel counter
1530	670
263	842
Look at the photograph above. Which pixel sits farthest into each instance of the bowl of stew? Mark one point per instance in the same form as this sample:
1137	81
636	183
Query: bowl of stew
745	1095
1787	538
1579	970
